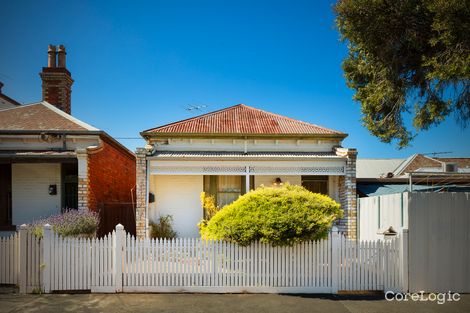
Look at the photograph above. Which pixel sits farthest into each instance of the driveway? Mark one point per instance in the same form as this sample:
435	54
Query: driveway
195	303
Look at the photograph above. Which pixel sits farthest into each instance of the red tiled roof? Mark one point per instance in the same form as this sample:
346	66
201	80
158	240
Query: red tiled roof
242	119
40	116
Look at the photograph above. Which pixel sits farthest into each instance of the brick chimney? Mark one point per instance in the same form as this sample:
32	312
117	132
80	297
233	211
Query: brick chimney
57	80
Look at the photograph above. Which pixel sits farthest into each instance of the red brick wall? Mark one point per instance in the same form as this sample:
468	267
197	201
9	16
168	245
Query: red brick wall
111	175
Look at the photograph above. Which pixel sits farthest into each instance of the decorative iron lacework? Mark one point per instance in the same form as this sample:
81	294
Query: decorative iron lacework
300	170
253	170
233	170
223	169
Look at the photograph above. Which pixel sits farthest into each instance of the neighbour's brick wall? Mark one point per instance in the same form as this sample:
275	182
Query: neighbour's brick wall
421	161
347	194
111	175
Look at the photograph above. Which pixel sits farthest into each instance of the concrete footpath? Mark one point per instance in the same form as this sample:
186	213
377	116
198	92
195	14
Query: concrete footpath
207	303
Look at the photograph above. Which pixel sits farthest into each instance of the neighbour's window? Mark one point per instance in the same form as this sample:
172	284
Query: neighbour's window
317	184
226	189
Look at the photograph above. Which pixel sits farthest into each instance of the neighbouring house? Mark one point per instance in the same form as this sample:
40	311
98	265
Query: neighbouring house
51	161
228	152
418	172
430	198
7	102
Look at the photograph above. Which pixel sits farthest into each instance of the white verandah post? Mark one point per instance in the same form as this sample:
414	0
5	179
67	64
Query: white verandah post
247	179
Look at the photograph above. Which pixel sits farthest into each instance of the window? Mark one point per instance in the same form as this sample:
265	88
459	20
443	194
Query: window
226	189
317	184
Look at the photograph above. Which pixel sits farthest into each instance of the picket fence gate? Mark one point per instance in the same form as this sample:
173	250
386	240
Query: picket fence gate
20	261
119	262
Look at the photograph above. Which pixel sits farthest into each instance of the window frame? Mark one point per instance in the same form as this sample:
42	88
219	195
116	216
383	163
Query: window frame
321	179
211	186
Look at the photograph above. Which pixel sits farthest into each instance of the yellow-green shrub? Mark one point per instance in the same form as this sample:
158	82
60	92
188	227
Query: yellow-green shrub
208	205
277	215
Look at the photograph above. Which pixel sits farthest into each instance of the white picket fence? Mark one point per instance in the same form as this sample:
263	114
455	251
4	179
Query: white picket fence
9	259
121	263
196	265
325	266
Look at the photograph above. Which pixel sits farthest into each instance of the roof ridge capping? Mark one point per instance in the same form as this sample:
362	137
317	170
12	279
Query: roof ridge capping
68	116
193	118
278	124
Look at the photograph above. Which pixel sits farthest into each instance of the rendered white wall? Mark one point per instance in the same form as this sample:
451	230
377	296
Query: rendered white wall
225	144
30	191
333	190
33	142
178	196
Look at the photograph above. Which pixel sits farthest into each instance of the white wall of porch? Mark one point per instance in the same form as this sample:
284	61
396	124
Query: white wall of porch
179	196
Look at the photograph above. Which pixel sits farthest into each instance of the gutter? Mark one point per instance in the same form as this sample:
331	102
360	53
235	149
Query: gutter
100	133
246	158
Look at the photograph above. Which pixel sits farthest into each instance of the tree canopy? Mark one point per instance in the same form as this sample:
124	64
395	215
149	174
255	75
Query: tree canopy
407	56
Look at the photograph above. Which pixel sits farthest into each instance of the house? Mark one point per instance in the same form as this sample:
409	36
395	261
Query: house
5	101
230	151
418	172
51	161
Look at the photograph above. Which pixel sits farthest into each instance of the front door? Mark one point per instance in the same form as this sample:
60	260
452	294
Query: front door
69	186
5	197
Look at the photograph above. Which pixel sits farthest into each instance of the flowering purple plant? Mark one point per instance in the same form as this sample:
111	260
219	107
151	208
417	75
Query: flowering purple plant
71	223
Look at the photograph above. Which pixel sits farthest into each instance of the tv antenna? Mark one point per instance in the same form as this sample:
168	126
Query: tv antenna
437	153
195	107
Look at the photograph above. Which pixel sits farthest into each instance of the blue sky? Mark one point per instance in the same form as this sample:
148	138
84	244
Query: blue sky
138	64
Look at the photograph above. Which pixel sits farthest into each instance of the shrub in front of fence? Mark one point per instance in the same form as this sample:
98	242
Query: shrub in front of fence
72	223
162	228
279	216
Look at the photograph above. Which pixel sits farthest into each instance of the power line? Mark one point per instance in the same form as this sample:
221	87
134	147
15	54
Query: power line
128	138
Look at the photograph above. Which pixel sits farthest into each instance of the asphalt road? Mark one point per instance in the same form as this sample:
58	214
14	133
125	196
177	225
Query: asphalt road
220	303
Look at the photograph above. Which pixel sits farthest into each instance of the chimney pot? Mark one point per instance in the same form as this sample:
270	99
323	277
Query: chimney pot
1	86
51	60
61	56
